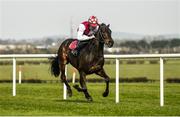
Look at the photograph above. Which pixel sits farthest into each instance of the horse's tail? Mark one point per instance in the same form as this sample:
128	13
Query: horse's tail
55	69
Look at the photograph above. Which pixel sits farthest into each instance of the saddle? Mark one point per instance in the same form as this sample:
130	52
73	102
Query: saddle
78	44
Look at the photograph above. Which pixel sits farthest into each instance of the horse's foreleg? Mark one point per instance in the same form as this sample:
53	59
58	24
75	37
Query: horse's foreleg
95	68
106	78
84	87
63	78
97	65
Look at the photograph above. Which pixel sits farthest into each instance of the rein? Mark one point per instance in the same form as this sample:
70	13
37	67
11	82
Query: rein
101	36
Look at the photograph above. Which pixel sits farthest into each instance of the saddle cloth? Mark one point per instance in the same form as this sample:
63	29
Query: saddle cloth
73	44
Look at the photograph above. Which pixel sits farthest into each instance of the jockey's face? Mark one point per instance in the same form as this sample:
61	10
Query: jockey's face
92	27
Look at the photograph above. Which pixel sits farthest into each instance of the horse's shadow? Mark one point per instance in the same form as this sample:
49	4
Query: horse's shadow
76	101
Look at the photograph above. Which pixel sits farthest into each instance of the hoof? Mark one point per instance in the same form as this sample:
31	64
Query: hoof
89	99
105	94
76	86
69	93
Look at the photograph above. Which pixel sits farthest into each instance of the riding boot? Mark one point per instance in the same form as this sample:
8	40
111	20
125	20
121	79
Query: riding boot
80	45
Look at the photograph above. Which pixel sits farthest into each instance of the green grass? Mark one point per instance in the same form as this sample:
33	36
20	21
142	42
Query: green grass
151	71
46	99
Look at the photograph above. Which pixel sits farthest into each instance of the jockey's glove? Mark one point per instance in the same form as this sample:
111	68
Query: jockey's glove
92	36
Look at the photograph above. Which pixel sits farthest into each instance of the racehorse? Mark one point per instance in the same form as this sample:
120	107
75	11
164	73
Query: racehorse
89	60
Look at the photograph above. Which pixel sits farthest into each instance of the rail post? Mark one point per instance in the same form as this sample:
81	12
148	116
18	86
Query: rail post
14	76
74	77
20	74
117	80
161	82
64	86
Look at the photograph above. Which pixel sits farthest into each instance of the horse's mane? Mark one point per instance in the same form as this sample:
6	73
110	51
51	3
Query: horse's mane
102	24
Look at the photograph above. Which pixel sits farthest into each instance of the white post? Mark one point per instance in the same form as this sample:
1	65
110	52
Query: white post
65	88
161	82
117	80
74	77
20	74
14	76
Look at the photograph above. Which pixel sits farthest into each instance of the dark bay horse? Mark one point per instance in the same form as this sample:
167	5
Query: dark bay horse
90	60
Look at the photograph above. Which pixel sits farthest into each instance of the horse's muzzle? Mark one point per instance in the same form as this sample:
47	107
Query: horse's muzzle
110	44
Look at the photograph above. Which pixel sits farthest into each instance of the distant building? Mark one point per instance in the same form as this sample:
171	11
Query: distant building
7	47
12	47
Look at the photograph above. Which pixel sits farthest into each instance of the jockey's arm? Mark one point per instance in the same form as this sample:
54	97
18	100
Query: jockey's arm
80	35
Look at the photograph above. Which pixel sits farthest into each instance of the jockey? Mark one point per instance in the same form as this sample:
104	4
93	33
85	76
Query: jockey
86	31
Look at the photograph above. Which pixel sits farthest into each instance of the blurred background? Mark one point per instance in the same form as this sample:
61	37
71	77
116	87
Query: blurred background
138	26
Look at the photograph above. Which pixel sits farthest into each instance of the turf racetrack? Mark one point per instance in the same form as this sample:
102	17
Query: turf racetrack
47	99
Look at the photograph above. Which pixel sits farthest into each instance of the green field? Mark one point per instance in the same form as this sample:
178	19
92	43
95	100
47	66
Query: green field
46	99
151	71
135	98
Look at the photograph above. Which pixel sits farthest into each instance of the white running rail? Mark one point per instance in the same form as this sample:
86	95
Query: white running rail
117	57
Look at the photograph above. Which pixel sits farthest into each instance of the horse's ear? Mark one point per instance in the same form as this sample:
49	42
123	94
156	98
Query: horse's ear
108	25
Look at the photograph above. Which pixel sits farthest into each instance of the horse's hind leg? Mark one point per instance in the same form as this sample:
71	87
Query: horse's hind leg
106	78
78	88
63	78
84	87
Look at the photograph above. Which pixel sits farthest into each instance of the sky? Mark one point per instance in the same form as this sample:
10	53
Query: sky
21	19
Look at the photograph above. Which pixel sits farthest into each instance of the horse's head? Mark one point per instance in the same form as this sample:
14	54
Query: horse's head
104	34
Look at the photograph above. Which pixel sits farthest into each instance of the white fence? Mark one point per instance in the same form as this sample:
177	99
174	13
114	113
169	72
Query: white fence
117	57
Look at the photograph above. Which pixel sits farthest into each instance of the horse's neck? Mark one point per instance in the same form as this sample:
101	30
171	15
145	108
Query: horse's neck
101	49
98	48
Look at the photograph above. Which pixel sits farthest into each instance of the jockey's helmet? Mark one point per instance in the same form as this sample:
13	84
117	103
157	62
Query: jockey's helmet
93	21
